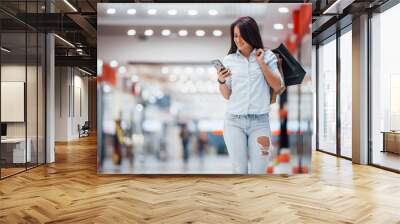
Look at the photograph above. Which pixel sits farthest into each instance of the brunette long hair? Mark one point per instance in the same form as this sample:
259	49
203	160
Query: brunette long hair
249	31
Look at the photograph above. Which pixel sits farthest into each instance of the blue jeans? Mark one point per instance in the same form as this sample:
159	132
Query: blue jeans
240	135
185	146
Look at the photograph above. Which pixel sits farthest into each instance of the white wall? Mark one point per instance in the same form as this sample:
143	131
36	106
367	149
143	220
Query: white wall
70	83
61	103
80	100
314	86
16	73
33	126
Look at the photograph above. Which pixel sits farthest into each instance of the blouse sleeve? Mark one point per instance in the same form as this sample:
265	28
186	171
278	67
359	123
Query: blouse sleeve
272	61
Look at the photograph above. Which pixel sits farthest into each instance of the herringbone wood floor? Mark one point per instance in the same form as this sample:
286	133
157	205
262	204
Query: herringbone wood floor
70	191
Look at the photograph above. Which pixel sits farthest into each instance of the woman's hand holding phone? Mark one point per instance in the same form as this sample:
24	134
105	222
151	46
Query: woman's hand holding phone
223	74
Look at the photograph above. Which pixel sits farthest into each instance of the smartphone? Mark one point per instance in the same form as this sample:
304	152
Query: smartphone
217	64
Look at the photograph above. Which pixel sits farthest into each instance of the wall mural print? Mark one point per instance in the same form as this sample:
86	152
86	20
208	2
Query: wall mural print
220	88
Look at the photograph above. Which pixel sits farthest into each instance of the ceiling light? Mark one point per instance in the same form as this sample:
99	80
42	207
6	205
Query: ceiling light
192	12
283	10
111	11
172	78
134	78
131	11
70	5
131	32
139	107
172	12
212	12
188	70
5	50
200	33
184	78
199	70
148	32
78	50
65	41
183	33
164	70
278	26
337	7
165	32
113	63
152	11
217	33
122	70
177	70
290	25
84	71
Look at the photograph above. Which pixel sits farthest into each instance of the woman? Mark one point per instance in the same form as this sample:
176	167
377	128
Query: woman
245	82
185	137
283	136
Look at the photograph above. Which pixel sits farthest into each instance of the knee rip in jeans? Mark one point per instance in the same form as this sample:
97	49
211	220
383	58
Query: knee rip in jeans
263	141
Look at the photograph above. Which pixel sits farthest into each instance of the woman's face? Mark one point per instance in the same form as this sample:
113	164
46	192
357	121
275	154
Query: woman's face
241	44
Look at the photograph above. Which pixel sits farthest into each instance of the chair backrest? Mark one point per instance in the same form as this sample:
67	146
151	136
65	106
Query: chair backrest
86	125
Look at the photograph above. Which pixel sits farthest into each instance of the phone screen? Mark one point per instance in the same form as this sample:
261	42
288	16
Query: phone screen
218	64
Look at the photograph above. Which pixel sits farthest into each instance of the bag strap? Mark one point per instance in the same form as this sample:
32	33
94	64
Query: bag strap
274	94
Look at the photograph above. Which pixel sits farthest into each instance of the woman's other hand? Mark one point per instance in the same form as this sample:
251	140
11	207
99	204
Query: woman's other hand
223	74
260	55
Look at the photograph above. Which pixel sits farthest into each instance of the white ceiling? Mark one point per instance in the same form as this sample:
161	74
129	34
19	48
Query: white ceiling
224	10
115	44
194	52
266	14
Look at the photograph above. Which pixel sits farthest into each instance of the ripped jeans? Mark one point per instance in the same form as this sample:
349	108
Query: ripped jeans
241	133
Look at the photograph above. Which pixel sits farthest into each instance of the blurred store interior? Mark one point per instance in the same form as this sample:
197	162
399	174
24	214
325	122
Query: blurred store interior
158	89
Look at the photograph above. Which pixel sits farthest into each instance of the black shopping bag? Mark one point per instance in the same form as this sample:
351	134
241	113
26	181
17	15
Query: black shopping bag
293	73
